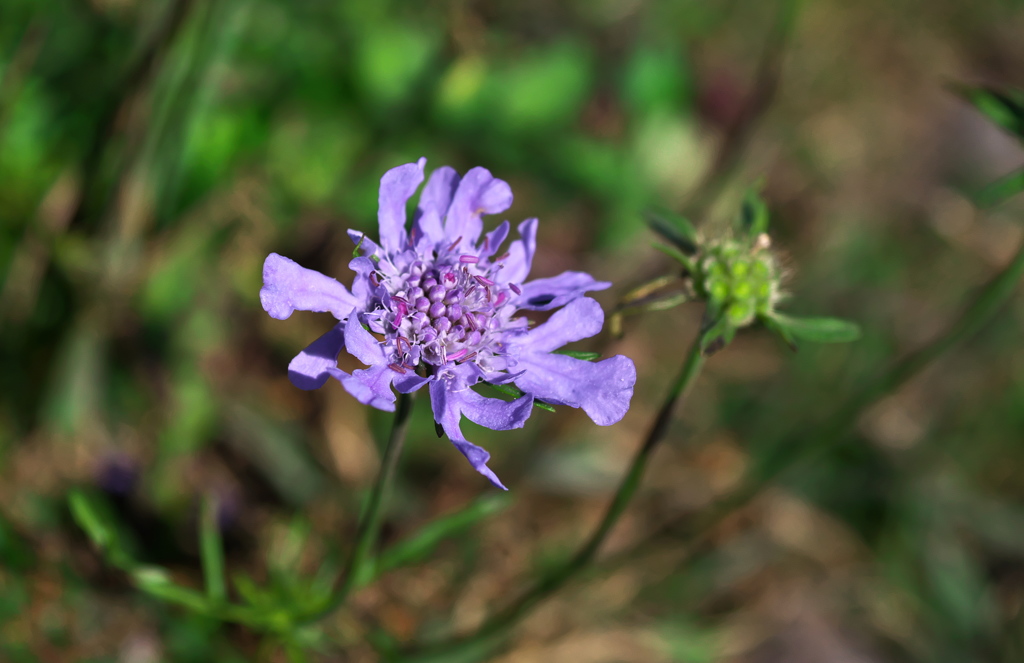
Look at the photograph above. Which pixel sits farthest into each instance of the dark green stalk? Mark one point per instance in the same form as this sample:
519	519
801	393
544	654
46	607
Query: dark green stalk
495	629
822	437
369	525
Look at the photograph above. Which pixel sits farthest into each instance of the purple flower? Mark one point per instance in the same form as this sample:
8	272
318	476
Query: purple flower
438	306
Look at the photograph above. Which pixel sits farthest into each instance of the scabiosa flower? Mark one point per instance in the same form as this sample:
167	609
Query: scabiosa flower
439	306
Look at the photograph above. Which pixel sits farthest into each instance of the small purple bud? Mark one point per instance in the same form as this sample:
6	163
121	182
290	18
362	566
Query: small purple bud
442	324
428	283
437	309
454	311
453	296
436	293
449	280
422	304
416	293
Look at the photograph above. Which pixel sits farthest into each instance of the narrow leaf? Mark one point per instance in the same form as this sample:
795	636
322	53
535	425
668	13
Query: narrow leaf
647	289
674	228
676	254
1004	107
1000	190
754	214
90	517
716	335
212	550
420	545
156	582
577	354
515	392
782	332
818	330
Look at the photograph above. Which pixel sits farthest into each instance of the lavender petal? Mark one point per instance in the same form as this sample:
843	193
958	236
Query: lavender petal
372	386
446	403
521	252
603	389
310	368
396	187
288	287
580	318
479	193
556	291
434	202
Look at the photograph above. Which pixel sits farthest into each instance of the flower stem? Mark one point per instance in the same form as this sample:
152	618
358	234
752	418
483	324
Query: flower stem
369	524
808	445
495	629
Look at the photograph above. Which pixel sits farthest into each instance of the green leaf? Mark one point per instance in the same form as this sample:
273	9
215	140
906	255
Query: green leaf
420	545
93	514
212	552
156	582
817	330
674	228
1004	107
515	392
1000	190
250	592
577	354
92	517
677	255
754	214
716	335
781	331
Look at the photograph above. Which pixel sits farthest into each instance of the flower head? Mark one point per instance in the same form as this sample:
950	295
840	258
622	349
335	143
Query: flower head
439	305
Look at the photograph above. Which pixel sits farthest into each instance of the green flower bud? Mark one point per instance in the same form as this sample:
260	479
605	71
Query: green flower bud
741	313
719	291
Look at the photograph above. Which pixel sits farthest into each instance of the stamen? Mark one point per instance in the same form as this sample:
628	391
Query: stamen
483	280
502	257
501	299
468	357
472	260
458	355
396	368
515	288
455	243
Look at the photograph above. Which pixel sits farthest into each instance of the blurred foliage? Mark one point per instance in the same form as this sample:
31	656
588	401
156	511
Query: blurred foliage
153	153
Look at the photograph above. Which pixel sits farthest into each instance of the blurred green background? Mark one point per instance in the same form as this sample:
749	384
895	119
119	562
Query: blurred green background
153	152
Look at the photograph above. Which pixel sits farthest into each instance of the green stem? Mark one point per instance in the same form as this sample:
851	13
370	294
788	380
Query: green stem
369	525
819	439
495	629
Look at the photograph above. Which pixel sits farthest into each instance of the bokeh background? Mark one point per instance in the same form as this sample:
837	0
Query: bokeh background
153	152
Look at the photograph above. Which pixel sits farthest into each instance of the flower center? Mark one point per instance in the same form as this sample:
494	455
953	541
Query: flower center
450	309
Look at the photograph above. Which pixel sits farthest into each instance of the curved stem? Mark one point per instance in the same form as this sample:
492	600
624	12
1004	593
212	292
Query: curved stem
369	524
818	439
500	625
